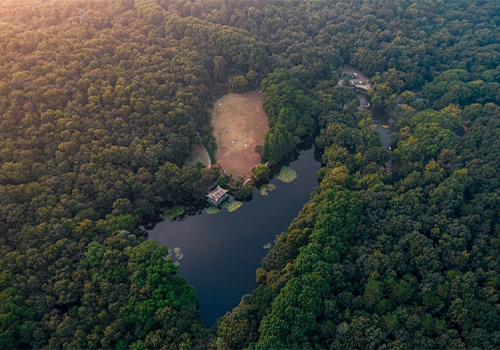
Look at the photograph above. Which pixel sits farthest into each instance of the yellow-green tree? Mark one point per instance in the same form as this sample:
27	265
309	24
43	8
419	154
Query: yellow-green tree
240	83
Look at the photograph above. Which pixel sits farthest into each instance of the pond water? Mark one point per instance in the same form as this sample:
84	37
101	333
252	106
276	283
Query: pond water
383	118
222	251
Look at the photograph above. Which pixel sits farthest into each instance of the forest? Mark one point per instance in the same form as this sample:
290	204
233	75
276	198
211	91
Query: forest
101	101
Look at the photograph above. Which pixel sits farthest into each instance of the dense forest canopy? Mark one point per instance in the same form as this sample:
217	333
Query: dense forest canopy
101	101
421	39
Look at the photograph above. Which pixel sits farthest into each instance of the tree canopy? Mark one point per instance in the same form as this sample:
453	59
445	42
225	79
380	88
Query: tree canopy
99	107
101	101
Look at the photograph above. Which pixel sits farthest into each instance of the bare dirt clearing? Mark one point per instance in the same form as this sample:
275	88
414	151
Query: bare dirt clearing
239	125
197	155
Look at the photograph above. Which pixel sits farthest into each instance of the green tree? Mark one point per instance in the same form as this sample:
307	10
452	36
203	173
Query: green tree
407	97
251	76
419	105
405	111
261	172
219	67
240	83
259	149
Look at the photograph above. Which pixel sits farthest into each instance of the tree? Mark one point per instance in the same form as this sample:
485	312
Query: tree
343	95
99	101
251	76
261	172
219	67
382	94
240	83
391	101
407	97
259	149
292	114
419	105
277	143
404	111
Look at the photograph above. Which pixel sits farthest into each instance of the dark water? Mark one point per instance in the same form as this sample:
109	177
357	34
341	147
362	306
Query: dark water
383	118
222	251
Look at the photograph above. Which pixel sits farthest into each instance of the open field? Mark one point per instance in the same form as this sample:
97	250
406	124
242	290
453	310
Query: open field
197	155
239	125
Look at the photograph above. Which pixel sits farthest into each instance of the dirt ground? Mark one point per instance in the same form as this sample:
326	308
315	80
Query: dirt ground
197	155
363	78
239	125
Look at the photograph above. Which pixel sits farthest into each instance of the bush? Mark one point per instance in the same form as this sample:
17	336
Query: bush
265	188
212	210
170	214
222	180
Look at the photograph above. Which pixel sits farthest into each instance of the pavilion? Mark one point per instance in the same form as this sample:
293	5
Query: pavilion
217	196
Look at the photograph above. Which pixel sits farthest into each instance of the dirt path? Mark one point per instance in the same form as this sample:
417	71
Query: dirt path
209	161
206	152
208	157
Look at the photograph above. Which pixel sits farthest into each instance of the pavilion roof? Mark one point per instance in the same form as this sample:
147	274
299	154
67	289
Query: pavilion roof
216	194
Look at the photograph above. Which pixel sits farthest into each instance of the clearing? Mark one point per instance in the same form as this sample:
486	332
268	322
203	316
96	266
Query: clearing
363	79
239	125
197	155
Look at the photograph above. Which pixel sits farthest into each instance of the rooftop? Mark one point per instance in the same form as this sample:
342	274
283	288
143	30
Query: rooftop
217	195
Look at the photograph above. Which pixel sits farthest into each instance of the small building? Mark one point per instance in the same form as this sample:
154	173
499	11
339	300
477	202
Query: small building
217	196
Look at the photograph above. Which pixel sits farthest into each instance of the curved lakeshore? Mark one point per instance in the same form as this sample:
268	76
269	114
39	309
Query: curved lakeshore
222	251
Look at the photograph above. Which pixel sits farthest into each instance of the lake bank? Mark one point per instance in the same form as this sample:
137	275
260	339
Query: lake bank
222	251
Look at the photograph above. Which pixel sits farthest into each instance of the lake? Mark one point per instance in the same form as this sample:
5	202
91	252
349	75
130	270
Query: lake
222	251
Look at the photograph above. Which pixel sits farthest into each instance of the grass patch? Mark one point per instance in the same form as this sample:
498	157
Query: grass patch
211	153
287	175
234	206
231	204
212	210
197	157
171	213
177	253
265	188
